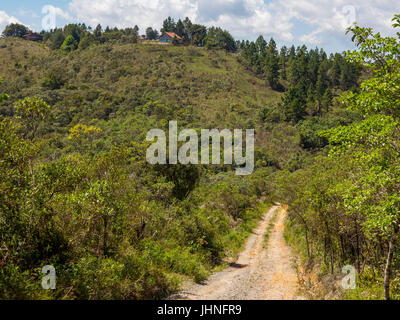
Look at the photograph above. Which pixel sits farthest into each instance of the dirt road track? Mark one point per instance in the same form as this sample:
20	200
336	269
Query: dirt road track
260	273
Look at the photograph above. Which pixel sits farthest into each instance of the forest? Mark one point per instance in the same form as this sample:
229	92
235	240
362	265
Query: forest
77	193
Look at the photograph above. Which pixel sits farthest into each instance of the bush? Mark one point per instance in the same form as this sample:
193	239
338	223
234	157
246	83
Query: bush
55	79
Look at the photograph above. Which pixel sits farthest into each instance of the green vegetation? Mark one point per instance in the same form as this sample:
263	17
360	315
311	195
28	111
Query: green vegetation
346	209
76	190
74	36
270	227
15	30
77	193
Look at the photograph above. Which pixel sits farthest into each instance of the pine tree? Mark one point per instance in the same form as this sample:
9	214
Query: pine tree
327	99
261	44
283	62
180	29
97	32
272	65
322	84
169	25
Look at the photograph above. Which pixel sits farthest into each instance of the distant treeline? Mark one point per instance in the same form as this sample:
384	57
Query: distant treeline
81	36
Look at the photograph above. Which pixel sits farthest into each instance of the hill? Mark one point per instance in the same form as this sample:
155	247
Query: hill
113	226
77	192
106	85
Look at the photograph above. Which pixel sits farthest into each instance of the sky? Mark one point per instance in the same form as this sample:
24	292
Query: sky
315	23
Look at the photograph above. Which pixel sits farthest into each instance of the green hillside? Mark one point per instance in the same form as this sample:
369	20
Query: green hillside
77	193
113	226
207	89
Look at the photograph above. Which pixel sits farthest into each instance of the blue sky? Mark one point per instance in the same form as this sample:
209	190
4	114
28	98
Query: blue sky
319	23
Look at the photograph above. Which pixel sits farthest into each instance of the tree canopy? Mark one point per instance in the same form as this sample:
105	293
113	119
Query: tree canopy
15	30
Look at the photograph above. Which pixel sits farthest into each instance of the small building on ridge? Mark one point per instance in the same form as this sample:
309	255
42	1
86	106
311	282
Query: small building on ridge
33	37
167	37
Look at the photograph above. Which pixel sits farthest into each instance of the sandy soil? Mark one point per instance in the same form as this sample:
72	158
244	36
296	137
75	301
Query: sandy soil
260	273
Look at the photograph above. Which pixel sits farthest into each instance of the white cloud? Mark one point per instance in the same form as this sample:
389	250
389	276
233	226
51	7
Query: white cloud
319	21
127	13
256	18
5	20
61	13
330	18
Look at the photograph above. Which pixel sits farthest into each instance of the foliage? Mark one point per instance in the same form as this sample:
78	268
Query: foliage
348	206
31	112
3	96
15	30
151	34
55	79
69	44
77	193
311	77
218	38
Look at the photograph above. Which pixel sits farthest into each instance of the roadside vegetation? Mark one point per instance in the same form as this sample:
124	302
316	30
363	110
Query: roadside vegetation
76	190
77	193
344	207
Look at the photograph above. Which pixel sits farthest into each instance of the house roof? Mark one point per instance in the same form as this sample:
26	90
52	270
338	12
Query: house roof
35	35
172	35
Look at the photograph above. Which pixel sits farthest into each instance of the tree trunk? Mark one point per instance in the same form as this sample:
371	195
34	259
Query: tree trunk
32	171
386	280
308	245
105	236
357	245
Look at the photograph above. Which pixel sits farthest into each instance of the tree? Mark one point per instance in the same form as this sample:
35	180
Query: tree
261	44
180	29
31	112
372	144
77	31
283	62
69	44
272	65
54	79
15	30
298	63
188	27
169	25
336	69
218	38
326	100
322	84
57	39
86	41
294	103
151	34
98	31
198	34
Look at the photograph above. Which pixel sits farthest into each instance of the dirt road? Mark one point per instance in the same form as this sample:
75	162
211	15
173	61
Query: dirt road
262	272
